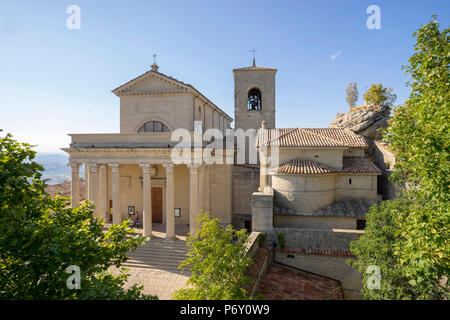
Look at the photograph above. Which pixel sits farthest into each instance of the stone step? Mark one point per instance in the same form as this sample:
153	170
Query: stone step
155	258
160	266
154	249
162	249
160	263
145	266
165	243
158	254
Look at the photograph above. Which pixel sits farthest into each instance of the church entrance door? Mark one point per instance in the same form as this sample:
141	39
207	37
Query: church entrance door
157	201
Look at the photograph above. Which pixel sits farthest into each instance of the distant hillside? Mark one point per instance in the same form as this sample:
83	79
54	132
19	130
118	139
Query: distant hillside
64	189
56	168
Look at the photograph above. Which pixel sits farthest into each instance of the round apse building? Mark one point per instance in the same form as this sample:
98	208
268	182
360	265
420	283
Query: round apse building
304	185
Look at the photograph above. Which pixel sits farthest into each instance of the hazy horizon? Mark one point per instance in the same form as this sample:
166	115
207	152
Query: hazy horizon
56	81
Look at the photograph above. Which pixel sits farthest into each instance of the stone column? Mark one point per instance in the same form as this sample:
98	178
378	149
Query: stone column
75	184
262	211
115	190
147	199
170	202
103	193
93	169
263	172
201	189
193	198
207	188
86	178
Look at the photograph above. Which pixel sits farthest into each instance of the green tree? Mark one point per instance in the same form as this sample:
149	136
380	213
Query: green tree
408	238
217	259
352	94
41	236
379	95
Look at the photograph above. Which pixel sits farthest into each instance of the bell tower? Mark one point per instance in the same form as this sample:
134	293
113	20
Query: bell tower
254	97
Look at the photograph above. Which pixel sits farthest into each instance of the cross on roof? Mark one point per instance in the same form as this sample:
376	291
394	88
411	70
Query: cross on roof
254	52
154	58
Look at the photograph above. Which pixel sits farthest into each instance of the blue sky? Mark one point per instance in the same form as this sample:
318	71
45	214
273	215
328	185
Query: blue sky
55	81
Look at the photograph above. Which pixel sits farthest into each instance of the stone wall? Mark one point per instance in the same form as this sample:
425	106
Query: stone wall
220	192
361	187
282	282
318	238
245	182
301	221
385	160
304	193
176	111
262	211
333	266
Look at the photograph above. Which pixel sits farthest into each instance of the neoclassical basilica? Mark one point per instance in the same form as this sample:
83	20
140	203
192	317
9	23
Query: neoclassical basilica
323	180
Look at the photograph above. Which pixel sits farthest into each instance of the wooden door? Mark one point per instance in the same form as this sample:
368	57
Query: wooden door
157	204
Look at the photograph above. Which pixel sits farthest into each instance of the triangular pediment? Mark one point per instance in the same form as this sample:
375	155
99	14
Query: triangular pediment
149	83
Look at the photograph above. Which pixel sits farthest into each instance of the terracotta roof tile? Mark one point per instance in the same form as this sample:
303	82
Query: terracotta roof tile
307	166
300	137
303	166
359	165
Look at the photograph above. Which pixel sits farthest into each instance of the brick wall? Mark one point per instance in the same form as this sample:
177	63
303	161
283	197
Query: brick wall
285	283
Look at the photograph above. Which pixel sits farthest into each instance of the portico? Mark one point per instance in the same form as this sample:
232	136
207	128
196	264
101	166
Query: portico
144	180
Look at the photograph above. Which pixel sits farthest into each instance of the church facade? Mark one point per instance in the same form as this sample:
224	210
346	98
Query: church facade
323	178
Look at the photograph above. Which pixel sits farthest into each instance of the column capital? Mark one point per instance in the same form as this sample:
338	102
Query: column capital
74	166
169	167
93	167
193	168
148	168
115	166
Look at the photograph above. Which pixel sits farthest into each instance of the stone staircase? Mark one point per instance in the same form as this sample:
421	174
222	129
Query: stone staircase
158	254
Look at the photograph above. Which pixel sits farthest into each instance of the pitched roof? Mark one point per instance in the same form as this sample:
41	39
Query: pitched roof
183	86
307	166
315	137
303	166
359	165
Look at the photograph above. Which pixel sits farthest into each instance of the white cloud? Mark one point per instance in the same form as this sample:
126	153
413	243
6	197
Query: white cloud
337	54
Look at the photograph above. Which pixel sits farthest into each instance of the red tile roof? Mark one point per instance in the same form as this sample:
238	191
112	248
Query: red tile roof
359	165
306	166
315	137
303	166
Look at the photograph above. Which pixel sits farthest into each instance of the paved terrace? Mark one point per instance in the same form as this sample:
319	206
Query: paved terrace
154	265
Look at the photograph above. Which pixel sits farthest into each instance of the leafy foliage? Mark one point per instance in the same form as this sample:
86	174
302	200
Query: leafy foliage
352	94
379	95
41	236
408	238
281	240
217	259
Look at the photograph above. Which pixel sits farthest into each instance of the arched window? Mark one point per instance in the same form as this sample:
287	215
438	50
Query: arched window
254	99
153	126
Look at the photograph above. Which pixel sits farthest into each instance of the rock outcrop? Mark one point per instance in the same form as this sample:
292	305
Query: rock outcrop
364	120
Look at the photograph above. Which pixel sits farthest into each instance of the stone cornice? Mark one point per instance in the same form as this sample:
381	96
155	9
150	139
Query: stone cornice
154	92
